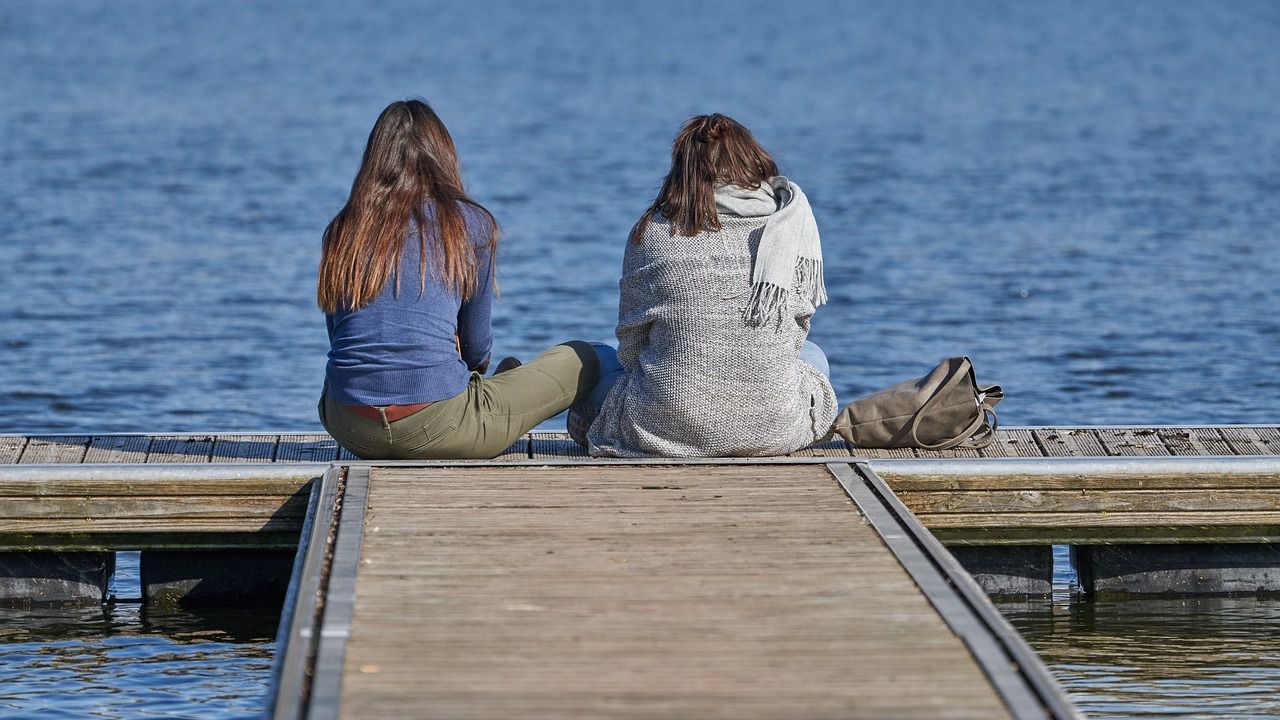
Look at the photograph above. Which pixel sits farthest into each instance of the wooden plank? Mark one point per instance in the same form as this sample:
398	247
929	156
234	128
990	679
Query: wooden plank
279	488
1138	442
180	449
1070	481
118	449
93	510
1069	442
55	449
566	607
1115	501
956	452
1016	442
1099	519
1269	437
882	452
148	525
552	445
826	448
1194	441
1246	441
316	447
253	448
11	448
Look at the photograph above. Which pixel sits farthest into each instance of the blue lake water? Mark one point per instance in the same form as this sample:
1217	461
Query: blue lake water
1082	197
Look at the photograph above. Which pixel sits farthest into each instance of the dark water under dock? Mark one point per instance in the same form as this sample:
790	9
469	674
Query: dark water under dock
124	659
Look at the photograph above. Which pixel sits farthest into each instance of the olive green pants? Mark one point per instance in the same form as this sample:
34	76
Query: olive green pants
481	421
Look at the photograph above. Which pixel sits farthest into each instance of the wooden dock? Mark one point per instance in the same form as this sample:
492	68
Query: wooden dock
1033	486
546	583
742	590
1015	442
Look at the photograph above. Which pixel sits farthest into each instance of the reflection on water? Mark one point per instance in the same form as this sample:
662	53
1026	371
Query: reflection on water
1186	658
126	660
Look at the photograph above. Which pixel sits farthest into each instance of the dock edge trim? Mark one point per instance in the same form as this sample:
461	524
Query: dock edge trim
296	639
1016	672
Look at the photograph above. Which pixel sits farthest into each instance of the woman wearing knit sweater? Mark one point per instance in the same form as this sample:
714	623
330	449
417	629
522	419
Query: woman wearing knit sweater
719	280
406	284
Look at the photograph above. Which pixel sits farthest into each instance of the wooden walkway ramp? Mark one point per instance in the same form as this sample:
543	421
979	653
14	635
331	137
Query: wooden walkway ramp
735	591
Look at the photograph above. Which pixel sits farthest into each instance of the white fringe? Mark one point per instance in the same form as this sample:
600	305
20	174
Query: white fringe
768	302
809	277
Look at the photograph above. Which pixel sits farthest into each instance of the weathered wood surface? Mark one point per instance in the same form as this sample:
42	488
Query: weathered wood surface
11	447
1220	500
54	449
97	513
1045	508
742	591
318	447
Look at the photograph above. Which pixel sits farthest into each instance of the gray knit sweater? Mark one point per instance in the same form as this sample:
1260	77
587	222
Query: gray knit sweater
699	382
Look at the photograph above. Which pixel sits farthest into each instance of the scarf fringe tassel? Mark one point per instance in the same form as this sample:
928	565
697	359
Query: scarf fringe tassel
809	277
768	302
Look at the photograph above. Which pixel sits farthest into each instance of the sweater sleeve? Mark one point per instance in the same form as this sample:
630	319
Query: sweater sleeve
475	333
636	311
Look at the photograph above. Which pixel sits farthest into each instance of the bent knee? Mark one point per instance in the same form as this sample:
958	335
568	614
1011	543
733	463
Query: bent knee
573	363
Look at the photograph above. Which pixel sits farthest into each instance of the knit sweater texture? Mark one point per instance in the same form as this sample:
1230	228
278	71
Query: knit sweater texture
400	349
699	382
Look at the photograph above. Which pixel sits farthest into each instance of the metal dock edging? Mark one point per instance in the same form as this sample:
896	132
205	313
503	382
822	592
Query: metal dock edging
1015	671
1263	466
291	672
340	599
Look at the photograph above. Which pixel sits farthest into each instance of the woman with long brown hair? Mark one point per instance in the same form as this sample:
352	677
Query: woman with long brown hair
719	280
406	283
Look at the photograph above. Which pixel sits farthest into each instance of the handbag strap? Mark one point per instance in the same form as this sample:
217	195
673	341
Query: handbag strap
987	433
981	432
955	378
974	426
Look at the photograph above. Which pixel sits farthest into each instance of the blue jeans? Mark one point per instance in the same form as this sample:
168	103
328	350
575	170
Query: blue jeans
812	354
582	414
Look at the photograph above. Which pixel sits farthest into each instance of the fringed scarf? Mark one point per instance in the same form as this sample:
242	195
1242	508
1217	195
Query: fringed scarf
790	251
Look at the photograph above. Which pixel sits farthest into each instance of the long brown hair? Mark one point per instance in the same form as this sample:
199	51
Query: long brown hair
408	159
710	150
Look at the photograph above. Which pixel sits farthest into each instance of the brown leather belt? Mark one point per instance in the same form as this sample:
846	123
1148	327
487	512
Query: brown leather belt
393	412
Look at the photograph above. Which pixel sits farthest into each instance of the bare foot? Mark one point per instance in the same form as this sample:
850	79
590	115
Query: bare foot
505	364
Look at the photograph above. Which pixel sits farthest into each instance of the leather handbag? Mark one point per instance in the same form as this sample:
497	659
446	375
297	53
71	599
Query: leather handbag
942	410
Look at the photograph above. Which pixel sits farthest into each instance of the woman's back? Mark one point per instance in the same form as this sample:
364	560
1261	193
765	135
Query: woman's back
406	282
401	347
700	381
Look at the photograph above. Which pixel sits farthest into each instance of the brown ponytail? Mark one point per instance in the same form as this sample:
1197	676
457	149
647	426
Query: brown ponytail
709	150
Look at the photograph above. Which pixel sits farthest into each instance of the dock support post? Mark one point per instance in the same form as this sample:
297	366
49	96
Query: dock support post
1185	569
196	576
1004	570
54	578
